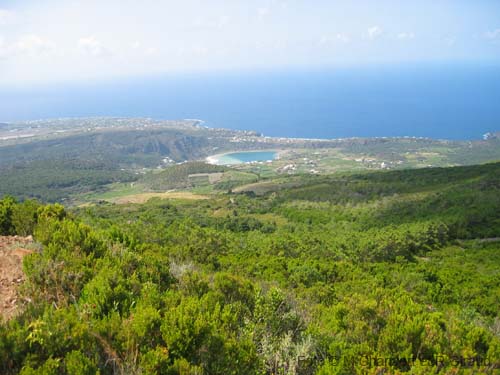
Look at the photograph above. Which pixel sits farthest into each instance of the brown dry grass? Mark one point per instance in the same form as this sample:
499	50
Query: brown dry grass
144	197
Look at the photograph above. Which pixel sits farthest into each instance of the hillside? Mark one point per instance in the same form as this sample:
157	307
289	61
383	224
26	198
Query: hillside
178	176
351	273
66	160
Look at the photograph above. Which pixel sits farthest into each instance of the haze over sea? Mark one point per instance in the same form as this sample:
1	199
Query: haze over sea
439	101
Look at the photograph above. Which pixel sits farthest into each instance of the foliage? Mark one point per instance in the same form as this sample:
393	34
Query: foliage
59	179
18	218
381	273
177	176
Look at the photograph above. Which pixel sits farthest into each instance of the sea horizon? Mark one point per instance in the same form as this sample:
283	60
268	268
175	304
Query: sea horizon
439	101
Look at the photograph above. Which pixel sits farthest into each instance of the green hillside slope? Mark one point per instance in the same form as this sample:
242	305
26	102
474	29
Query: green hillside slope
387	272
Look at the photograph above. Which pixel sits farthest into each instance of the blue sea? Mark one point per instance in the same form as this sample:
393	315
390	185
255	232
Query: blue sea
439	101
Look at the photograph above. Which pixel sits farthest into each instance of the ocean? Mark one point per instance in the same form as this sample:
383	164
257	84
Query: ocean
439	101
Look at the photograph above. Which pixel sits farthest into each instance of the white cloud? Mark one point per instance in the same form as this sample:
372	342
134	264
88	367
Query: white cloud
93	47
223	21
150	36
405	36
141	50
343	37
151	51
450	40
336	39
492	35
210	23
199	50
374	32
3	48
34	46
263	12
6	16
324	41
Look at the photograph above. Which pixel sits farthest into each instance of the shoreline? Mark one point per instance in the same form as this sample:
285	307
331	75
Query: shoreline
215	159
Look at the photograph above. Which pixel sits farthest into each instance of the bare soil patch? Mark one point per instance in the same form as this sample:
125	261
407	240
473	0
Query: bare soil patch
12	251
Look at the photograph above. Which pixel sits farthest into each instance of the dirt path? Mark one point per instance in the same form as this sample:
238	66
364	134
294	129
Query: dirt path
12	251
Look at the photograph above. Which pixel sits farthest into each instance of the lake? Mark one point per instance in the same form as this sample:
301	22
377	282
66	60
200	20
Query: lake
242	157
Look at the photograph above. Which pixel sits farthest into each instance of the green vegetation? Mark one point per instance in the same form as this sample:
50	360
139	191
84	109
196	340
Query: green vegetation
233	178
385	272
90	159
177	177
58	180
194	175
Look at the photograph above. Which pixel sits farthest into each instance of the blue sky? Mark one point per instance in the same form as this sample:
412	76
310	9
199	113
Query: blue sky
54	41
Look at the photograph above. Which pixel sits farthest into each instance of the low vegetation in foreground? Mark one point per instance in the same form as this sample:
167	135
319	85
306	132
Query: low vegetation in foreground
386	272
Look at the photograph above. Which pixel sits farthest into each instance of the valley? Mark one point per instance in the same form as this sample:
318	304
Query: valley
72	160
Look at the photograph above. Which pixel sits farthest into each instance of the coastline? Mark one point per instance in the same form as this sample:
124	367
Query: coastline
215	159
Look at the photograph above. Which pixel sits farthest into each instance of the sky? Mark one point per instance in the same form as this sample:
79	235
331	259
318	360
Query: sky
54	41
